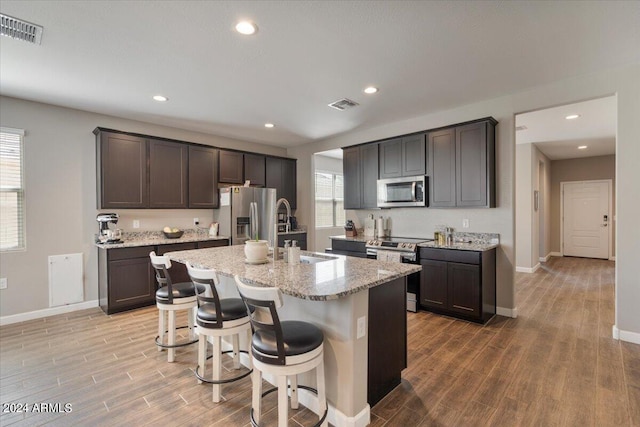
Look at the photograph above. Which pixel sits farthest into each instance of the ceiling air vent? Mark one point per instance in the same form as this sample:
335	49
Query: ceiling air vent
343	104
523	127
19	29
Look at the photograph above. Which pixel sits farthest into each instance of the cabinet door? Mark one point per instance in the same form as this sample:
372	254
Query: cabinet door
203	177
289	180
122	166
231	167
413	155
464	288
369	176
471	165
442	166
254	169
168	174
131	283
391	158
433	284
351	176
281	175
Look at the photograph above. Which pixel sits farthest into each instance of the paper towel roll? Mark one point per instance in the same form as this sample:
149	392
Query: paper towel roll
381	227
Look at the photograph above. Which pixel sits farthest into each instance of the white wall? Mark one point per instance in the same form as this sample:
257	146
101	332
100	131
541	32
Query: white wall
624	81
60	191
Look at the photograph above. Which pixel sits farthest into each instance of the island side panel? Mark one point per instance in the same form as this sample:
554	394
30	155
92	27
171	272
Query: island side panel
387	344
345	356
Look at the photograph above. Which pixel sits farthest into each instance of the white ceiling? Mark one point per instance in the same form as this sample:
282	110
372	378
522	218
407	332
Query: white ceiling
111	57
559	138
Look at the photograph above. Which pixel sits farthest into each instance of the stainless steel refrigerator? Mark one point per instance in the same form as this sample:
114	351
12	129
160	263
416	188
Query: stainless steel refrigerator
234	213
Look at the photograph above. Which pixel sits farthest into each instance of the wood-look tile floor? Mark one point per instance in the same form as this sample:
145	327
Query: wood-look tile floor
556	364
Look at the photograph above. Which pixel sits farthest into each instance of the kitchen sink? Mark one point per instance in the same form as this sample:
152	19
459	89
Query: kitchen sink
306	259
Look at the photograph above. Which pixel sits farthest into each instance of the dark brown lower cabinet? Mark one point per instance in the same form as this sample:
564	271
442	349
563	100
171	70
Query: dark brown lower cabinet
126	279
459	283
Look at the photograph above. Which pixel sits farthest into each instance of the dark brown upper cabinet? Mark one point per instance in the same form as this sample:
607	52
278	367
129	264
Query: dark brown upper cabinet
254	169
462	165
403	156
360	170
281	175
231	167
203	177
168	163
122	180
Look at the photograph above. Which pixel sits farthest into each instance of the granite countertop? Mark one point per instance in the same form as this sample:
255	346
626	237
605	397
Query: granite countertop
335	278
150	238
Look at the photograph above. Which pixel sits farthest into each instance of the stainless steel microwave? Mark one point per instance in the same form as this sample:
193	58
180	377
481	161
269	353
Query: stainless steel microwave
405	191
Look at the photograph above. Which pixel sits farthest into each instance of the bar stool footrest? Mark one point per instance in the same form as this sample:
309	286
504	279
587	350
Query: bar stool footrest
183	344
228	380
311	389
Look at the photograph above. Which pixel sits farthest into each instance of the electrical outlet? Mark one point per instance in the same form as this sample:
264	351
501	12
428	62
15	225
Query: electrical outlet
196	221
362	327
3	283
136	223
465	223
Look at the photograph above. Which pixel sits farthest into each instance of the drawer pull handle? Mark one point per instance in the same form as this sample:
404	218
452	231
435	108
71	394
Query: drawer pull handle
463	308
433	302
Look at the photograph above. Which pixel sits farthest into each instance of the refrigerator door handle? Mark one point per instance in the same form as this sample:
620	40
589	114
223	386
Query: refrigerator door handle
253	220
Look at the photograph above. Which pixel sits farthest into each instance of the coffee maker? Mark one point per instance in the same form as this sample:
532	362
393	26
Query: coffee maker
107	234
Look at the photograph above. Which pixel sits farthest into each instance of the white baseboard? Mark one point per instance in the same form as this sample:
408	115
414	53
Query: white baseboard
528	270
555	253
628	336
545	258
38	314
508	312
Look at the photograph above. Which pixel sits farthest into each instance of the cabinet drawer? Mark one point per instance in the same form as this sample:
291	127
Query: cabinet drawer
212	243
163	249
452	255
344	245
128	253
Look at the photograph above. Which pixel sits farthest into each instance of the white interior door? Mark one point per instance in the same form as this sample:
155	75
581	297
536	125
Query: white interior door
586	219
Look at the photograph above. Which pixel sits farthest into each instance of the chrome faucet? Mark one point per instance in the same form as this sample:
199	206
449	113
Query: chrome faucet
276	252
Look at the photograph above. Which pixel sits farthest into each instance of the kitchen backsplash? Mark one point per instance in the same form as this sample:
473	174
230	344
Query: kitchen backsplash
422	222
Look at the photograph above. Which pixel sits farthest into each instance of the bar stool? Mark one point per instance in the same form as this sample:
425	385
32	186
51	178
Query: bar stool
282	349
217	318
171	297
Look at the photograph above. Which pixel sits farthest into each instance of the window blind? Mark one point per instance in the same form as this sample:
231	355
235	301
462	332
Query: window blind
12	236
329	199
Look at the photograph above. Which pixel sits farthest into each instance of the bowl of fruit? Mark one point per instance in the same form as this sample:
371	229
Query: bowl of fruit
172	233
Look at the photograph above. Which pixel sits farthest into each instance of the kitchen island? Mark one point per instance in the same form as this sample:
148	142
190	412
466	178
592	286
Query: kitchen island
359	304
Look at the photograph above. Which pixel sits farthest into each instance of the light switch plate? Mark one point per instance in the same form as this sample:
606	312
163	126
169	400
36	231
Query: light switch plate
465	223
362	327
136	223
3	283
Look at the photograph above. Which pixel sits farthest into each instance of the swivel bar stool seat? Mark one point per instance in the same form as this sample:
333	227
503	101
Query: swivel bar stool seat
283	350
172	297
217	318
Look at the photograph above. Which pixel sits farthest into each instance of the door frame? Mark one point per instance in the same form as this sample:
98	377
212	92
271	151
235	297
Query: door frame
610	203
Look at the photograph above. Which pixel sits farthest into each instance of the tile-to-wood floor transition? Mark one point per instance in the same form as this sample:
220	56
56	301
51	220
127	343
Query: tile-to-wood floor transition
556	364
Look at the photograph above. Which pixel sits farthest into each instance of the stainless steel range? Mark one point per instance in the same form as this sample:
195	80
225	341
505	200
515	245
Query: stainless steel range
407	248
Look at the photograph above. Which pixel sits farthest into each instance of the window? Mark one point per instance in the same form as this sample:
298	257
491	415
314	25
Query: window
329	200
11	190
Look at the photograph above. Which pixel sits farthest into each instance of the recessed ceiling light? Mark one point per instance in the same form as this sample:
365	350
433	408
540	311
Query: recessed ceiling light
247	28
572	116
160	98
582	147
371	90
269	125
